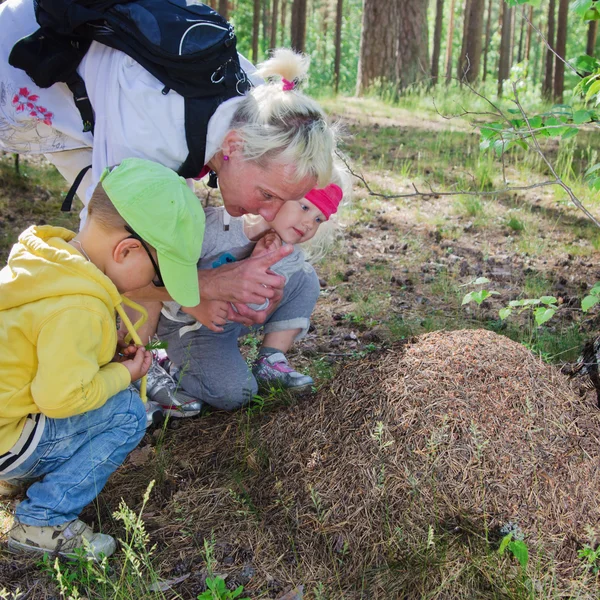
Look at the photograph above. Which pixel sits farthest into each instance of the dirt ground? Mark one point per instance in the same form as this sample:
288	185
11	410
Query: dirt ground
396	271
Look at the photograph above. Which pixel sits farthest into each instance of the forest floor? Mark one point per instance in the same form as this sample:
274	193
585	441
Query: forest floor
401	266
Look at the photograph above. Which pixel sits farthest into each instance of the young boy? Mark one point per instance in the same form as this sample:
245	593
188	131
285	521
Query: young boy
210	364
68	415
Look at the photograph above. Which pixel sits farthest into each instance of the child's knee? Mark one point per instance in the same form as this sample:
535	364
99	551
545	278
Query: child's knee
231	396
134	424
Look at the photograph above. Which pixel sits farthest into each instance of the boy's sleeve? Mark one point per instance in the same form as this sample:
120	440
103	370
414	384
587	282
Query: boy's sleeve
69	380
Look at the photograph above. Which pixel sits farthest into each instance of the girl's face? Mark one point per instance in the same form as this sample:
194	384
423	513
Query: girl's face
297	222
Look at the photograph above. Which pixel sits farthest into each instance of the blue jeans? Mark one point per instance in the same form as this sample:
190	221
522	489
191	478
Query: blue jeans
75	458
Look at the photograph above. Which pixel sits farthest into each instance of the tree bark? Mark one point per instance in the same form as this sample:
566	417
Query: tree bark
255	30
448	61
393	45
561	50
298	27
548	86
472	41
460	66
437	41
591	38
274	19
529	32
224	8
338	44
488	37
521	40
283	17
505	47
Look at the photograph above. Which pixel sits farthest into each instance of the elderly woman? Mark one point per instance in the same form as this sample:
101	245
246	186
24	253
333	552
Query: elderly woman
270	146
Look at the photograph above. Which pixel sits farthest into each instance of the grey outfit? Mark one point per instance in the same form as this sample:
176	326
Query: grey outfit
211	366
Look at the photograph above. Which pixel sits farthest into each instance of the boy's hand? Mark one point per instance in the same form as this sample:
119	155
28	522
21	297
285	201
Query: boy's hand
211	313
268	243
124	350
140	363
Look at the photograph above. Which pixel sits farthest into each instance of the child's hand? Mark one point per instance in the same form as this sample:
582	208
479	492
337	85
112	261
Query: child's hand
268	243
211	313
124	350
140	363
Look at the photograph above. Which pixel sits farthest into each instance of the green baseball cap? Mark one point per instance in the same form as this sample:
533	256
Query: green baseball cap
160	207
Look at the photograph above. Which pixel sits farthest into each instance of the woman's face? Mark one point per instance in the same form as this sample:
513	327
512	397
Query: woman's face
248	188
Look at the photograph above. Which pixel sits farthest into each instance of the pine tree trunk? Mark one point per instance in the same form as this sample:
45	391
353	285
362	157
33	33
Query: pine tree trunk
283	17
266	22
255	30
548	84
488	37
529	32
461	65
437	41
274	18
472	41
591	38
338	44
224	8
393	45
298	28
561	50
505	47
521	40
448	60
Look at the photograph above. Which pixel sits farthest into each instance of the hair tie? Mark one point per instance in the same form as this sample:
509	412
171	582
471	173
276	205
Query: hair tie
288	85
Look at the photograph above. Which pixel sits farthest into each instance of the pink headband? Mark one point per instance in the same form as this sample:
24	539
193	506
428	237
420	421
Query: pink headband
326	199
287	85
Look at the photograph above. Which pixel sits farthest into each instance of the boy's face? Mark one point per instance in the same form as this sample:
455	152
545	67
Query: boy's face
297	222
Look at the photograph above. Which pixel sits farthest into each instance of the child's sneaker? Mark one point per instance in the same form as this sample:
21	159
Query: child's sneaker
155	416
162	389
10	490
61	539
274	369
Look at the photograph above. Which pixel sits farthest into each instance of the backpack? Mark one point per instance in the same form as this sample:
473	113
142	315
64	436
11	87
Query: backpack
189	48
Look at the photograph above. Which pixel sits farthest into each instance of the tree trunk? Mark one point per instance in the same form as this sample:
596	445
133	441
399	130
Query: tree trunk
338	44
460	67
298	28
472	41
561	50
521	40
488	36
266	22
591	38
393	45
448	61
283	17
505	43
224	8
255	30
529	32
513	29
437	41
548	86
274	18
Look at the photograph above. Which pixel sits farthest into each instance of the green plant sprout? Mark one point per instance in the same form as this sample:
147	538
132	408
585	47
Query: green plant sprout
591	299
545	308
217	590
479	295
156	345
591	558
518	548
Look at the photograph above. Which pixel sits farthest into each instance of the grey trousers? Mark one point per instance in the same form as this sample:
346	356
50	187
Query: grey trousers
210	363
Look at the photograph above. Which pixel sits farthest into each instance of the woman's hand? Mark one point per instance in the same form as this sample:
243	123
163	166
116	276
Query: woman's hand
140	363
248	281
211	313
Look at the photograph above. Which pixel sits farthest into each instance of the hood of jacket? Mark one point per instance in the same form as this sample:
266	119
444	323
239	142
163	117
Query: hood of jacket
43	265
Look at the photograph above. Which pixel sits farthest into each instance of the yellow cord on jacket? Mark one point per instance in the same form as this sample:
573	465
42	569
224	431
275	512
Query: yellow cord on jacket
132	332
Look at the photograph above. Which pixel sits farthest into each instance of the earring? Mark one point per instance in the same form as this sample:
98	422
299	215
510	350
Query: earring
225	157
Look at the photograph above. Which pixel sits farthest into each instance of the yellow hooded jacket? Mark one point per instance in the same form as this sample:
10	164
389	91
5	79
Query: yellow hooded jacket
57	333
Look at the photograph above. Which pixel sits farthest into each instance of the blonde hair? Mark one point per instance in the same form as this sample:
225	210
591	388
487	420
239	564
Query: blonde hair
287	127
102	210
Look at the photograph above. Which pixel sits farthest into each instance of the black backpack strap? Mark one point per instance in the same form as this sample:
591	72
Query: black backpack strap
82	101
198	112
68	201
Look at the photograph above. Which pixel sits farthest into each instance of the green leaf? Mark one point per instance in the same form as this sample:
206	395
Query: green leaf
480	280
504	543
542	314
593	90
504	313
468	297
157	345
515	303
569	133
520	552
531	301
519	2
536	122
592	15
596	289
548	300
588	302
586	63
591	170
580	7
581	116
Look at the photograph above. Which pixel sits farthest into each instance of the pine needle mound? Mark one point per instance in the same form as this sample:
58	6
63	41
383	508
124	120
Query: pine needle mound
458	434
